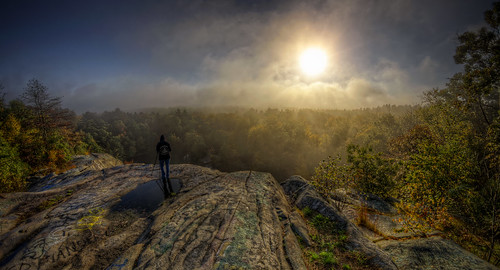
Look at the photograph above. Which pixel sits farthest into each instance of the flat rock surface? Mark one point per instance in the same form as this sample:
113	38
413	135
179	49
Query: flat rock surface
81	163
432	253
120	218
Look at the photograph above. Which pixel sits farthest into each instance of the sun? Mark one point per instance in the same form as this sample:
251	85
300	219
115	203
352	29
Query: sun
313	61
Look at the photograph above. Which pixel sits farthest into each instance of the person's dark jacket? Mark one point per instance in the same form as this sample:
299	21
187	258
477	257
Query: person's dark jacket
162	144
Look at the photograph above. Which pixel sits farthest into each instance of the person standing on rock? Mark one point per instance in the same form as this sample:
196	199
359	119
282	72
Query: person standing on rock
163	150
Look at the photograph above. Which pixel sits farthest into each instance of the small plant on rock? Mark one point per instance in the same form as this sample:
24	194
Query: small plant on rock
307	211
323	224
327	258
313	256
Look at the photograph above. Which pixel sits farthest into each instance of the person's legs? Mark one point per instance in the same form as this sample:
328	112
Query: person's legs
161	167
167	164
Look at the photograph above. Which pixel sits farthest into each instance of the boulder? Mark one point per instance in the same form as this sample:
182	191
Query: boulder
304	195
299	227
95	162
432	253
371	201
385	242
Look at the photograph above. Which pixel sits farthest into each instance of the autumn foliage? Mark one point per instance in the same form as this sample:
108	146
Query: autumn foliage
446	156
36	135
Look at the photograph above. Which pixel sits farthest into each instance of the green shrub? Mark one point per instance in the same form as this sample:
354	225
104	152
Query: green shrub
13	171
364	171
371	172
307	211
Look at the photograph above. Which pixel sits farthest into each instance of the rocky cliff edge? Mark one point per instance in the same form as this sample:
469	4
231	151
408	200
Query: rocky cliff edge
102	216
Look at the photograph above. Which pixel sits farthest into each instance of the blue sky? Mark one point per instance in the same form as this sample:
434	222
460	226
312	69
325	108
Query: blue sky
100	55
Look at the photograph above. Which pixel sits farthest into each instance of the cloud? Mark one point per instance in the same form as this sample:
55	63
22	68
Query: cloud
244	53
428	65
128	94
362	89
251	60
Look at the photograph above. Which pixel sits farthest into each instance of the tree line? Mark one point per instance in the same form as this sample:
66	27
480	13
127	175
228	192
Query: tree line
37	135
283	142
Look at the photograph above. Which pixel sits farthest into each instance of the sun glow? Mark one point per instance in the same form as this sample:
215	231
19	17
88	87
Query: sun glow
313	61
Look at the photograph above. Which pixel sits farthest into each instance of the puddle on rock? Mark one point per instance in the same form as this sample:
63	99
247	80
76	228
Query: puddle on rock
146	197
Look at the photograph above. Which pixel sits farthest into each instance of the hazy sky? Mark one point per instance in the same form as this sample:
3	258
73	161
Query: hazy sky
100	55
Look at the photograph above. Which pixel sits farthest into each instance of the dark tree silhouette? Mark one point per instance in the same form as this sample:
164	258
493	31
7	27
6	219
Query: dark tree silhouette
47	110
479	52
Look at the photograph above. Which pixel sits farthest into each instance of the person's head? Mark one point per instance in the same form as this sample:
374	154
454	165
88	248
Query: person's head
162	138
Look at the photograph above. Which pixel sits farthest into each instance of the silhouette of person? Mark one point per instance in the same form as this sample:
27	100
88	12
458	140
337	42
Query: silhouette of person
163	150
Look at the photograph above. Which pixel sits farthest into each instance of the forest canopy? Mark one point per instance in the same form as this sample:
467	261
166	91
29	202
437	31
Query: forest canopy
283	142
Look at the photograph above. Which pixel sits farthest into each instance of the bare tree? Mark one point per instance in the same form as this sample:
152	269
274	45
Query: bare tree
47	110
